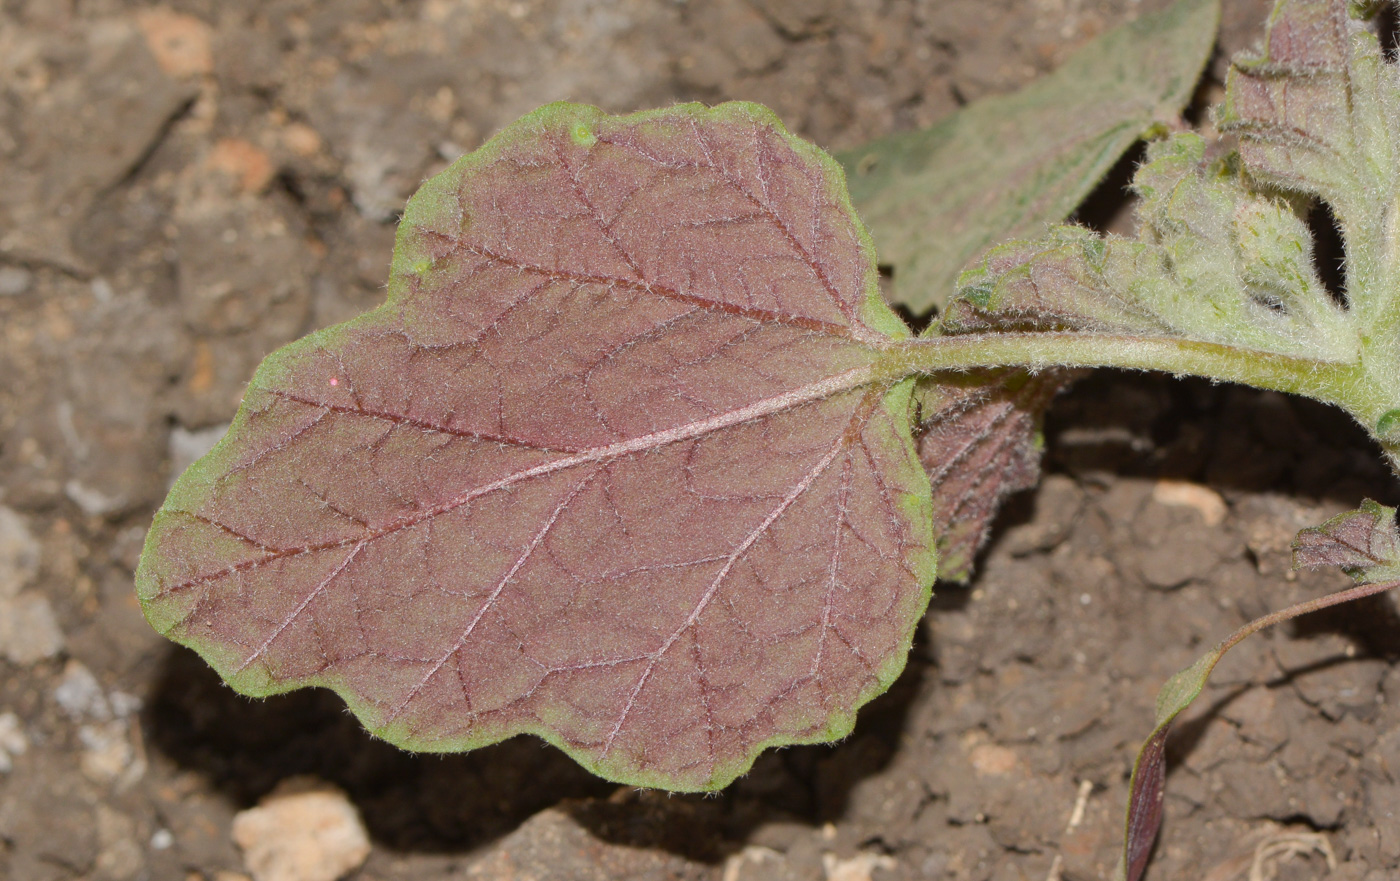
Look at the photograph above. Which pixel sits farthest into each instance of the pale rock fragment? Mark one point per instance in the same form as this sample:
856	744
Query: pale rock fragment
80	695
112	750
29	631
121	857
303	831
15	280
93	502
12	741
991	760
858	868
1180	493
19	554
752	863
181	44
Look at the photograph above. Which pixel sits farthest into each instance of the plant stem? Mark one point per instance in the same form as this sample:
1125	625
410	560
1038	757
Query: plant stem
1351	594
1334	382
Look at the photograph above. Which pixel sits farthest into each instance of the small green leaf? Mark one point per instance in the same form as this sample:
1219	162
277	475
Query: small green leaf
1147	786
1005	167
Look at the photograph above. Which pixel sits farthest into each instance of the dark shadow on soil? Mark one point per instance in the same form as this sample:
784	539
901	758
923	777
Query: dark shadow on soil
1372	625
1109	205
804	784
410	802
1224	436
456	803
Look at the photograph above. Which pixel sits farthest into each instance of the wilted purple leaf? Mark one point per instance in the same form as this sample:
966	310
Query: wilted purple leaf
1365	543
611	466
1005	167
1147	786
980	442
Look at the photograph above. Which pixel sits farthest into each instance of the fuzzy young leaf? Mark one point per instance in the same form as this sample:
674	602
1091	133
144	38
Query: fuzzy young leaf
611	466
1007	166
1365	543
1223	266
1318	112
1216	265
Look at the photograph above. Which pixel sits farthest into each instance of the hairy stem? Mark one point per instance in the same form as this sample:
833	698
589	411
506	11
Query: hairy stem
1343	384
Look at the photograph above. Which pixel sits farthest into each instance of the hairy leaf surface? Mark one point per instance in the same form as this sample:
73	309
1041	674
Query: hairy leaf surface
1005	167
980	442
1318	112
1215	263
610	466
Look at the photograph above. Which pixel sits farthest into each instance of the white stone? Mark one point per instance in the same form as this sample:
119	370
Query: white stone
80	696
109	756
29	631
858	868
302	831
12	741
1207	502
19	554
14	280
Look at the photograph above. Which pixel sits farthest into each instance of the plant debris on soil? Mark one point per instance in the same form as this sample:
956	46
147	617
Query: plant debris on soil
189	186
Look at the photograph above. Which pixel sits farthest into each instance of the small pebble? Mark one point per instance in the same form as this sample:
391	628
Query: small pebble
29	631
303	831
12	741
19	553
14	280
80	696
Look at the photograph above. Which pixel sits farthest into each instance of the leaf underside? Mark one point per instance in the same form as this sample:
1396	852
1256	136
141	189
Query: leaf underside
609	466
1005	167
980	442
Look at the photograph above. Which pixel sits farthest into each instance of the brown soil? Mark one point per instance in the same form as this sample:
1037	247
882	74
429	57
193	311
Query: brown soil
187	187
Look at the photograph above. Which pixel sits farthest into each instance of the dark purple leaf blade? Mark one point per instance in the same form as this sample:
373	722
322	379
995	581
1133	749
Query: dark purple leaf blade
980	442
1148	783
613	465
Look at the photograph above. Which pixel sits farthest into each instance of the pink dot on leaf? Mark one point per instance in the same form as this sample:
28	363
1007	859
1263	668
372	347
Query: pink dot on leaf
335	380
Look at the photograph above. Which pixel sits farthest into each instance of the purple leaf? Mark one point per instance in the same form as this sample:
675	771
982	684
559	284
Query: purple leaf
1148	784
1145	796
612	466
1364	542
980	443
